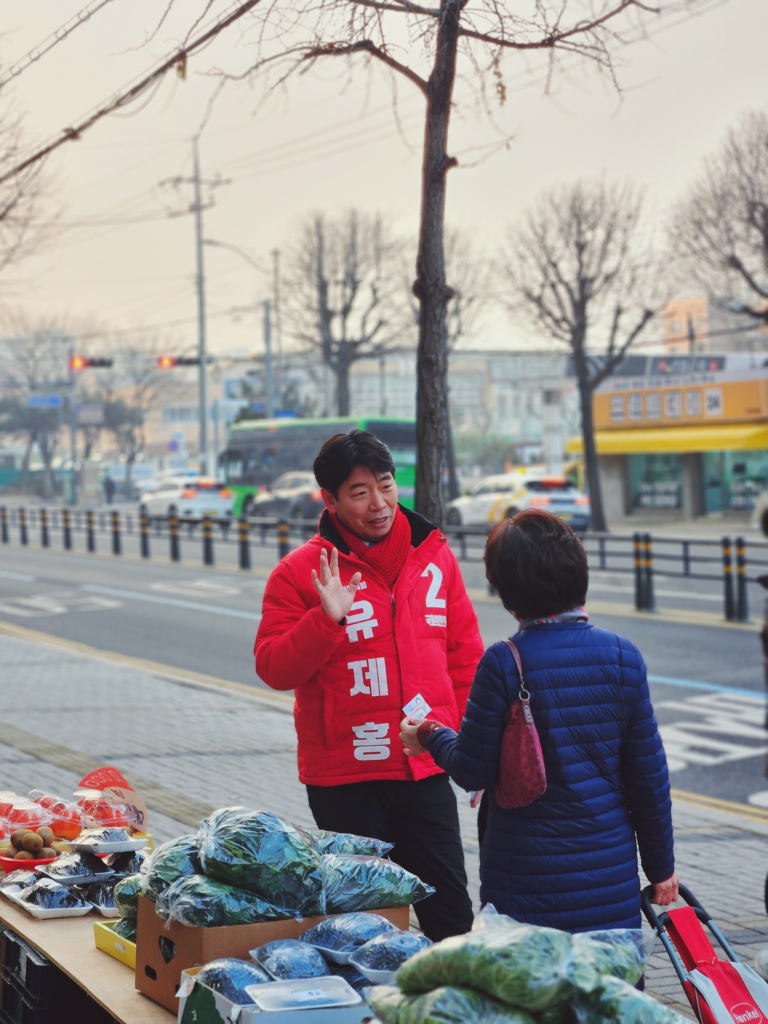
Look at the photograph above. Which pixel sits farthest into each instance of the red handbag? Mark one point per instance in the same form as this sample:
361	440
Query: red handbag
522	776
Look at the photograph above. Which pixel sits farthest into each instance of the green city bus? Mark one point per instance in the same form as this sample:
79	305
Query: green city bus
259	451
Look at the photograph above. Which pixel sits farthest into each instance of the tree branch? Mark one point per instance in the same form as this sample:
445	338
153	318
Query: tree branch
366	46
404	7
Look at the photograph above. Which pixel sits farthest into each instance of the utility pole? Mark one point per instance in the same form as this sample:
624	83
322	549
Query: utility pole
72	428
268	360
278	315
205	455
691	336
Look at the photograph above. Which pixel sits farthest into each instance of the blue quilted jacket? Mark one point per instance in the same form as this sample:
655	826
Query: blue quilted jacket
569	859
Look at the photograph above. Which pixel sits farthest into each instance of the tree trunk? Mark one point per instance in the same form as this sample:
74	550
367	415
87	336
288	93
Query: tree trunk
341	369
128	482
590	450
430	287
24	482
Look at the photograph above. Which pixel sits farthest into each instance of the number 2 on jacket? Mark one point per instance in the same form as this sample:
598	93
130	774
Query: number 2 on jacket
433	601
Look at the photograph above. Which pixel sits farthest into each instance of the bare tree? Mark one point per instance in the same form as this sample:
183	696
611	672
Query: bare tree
21	197
583	269
343	296
422	44
720	230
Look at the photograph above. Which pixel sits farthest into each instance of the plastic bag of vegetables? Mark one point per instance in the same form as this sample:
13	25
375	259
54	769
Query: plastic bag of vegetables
445	1005
289	958
127	892
519	964
616	1000
205	903
345	842
368	883
230	977
384	954
346	932
621	953
170	861
258	851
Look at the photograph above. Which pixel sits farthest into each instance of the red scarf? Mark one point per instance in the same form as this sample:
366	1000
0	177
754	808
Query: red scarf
387	556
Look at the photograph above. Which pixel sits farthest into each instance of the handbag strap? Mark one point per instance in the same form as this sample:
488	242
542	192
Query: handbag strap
524	694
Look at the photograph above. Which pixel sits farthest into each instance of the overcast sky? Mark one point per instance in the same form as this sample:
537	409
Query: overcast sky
317	146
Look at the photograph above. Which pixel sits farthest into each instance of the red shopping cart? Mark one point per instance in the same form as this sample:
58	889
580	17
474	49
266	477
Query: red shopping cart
720	991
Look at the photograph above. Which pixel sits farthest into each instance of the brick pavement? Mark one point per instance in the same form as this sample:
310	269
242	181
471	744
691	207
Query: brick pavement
198	746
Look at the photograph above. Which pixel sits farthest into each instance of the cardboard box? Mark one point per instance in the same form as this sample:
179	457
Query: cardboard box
162	953
202	1005
118	947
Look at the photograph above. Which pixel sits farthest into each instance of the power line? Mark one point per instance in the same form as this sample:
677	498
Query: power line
61	33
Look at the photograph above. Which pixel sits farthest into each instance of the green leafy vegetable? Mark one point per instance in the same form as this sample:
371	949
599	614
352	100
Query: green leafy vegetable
256	850
616	1000
368	883
445	1005
204	903
126	929
168	862
345	842
127	892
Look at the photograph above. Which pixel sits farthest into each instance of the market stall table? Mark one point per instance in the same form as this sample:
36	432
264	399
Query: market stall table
68	942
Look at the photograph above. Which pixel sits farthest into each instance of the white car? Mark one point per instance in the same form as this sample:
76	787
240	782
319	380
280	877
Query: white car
503	496
188	496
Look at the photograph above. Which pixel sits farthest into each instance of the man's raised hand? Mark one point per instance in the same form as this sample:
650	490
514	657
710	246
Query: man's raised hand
335	599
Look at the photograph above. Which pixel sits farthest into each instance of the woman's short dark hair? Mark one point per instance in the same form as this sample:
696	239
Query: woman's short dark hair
537	565
344	452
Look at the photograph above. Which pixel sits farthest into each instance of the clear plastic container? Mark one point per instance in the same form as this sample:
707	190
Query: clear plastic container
304	994
27	814
67	820
42	797
100	810
7	802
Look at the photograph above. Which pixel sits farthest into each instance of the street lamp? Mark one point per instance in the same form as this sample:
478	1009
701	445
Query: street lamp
271	403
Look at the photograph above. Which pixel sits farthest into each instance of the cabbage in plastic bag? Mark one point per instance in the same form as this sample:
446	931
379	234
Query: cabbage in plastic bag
615	1000
288	958
101	894
170	861
125	928
388	952
127	892
345	842
517	963
128	863
230	977
202	902
445	1005
621	952
258	851
368	883
347	931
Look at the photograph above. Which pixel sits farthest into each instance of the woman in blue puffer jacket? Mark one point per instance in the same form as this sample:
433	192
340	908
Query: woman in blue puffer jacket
569	859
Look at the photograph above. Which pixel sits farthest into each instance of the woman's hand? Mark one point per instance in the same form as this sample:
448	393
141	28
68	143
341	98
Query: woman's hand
665	893
409	728
335	599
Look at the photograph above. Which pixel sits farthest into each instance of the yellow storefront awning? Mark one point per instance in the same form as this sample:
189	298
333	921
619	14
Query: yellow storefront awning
733	437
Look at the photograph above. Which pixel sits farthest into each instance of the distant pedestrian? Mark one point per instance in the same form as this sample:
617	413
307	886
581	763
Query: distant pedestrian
367	618
109	489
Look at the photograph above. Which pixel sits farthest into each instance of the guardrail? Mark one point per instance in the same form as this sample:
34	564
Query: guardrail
640	555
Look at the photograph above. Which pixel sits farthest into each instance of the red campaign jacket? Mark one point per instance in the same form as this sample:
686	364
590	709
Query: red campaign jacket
352	681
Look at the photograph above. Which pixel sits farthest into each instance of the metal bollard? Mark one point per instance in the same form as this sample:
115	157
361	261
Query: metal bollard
730	611
245	546
742	607
650	600
45	540
173	533
144	528
4	525
116	547
639	574
601	550
283	538
67	530
90	532
23	526
207	541
686	558
463	546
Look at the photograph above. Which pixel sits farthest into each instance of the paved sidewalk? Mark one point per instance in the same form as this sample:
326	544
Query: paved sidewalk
190	748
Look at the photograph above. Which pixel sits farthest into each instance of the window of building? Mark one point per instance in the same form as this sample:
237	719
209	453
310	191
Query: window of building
655	481
180	414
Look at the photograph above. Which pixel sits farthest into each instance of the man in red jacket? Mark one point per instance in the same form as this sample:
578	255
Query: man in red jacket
367	621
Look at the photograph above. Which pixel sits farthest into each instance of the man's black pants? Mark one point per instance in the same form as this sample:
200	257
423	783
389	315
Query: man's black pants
422	820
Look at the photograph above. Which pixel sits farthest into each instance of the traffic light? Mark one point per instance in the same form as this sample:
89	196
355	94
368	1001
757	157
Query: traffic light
168	362
78	363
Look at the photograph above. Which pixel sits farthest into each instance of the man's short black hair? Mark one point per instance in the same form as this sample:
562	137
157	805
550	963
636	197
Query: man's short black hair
537	565
344	452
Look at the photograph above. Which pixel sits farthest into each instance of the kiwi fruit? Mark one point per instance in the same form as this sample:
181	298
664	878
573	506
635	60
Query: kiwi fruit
24	855
47	853
32	842
17	837
46	834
